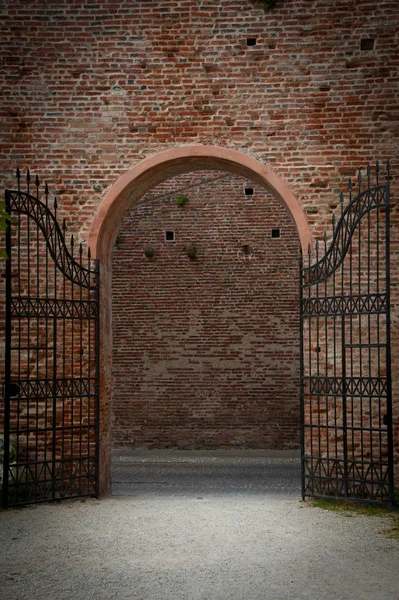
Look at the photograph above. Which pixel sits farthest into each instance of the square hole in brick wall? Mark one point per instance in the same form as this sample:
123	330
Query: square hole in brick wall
249	191
276	233
251	41
169	236
367	44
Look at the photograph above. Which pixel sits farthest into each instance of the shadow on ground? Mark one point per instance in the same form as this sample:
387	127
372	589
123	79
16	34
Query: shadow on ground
188	473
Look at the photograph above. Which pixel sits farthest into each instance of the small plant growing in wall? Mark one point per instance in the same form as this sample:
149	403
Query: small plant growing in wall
118	241
267	4
181	200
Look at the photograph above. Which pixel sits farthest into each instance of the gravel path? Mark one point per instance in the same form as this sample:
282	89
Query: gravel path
183	545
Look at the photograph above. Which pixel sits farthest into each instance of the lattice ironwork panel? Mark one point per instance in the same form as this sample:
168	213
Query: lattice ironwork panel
346	388
52	344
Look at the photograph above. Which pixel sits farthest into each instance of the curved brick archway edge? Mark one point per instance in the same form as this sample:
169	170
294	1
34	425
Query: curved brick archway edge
151	171
128	190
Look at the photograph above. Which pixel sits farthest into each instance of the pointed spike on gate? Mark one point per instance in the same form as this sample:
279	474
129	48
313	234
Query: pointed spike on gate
55	203
388	167
359	179
309	250
18	173
325	237
72	241
37	181
350	184
317	245
377	167
46	188
80	249
28	176
368	175
341	197
89	253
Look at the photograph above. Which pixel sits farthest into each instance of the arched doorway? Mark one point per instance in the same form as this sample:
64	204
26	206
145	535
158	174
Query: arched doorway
124	194
329	457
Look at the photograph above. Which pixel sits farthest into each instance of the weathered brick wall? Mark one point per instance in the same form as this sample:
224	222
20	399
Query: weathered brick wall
91	88
206	351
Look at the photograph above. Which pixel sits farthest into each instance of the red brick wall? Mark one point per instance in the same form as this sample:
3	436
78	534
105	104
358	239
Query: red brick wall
206	351
90	88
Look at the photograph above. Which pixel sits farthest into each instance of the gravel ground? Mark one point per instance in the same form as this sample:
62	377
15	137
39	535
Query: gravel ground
224	542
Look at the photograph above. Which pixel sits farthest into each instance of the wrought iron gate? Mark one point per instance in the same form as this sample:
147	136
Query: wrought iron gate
52	344
346	396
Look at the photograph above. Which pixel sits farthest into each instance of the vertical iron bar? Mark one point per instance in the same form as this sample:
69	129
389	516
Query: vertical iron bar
310	425
343	363
29	338
351	318
335	369
97	382
344	415
318	350
80	368
37	331
369	336
359	275
64	329
54	412
89	370
7	378
379	332
301	393
54	392
71	458
326	372
388	340
47	318
19	326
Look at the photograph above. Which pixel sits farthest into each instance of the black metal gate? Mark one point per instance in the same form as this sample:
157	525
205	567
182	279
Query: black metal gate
52	345
346	395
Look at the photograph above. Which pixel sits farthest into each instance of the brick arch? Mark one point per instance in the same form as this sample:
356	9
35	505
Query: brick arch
128	190
151	171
